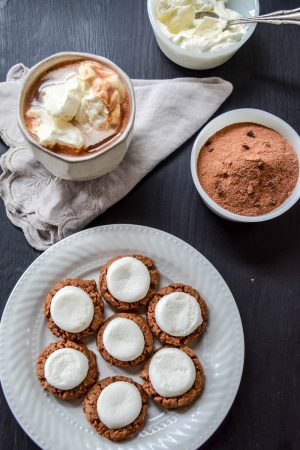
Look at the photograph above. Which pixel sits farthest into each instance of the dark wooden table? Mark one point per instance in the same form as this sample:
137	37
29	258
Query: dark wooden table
260	262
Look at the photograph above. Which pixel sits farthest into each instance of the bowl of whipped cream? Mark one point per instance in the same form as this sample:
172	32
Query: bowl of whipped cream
76	110
200	42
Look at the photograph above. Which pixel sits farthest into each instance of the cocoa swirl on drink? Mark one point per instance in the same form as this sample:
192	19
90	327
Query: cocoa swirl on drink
78	108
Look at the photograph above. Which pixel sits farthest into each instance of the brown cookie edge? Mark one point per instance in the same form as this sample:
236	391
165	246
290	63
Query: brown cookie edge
90	410
90	287
183	400
84	386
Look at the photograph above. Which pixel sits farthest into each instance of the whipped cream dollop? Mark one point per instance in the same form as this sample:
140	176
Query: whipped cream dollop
51	131
171	372
72	309
77	106
119	404
123	339
62	100
178	314
128	279
66	368
178	21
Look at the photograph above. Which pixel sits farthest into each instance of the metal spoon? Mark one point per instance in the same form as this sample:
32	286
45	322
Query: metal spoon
276	18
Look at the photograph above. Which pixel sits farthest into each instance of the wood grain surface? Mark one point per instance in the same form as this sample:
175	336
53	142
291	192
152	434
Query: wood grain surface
260	262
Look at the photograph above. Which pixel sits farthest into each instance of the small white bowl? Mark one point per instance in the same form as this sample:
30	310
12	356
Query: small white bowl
237	116
77	168
192	59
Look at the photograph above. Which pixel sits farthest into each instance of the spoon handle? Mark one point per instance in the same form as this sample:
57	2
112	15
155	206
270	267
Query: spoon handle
282	12
275	18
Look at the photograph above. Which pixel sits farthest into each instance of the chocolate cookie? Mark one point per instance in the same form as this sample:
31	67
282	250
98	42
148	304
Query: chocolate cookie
123	305
163	336
127	345
90	288
181	400
90	410
84	386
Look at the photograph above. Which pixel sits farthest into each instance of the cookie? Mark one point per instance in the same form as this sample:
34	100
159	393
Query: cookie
177	314
128	282
125	340
116	407
67	369
173	377
74	309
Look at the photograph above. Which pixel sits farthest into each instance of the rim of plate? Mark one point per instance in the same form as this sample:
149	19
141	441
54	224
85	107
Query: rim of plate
198	440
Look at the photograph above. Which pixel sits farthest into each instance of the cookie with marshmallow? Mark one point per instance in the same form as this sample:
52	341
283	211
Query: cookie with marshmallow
177	314
128	282
67	369
116	407
173	377
74	309
125	340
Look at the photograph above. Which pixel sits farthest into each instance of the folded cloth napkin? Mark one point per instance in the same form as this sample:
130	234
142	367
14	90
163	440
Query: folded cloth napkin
168	112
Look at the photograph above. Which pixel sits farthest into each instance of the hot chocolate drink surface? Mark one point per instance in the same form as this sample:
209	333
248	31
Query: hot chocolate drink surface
78	108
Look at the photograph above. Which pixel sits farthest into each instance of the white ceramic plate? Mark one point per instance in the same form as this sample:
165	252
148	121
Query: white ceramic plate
58	425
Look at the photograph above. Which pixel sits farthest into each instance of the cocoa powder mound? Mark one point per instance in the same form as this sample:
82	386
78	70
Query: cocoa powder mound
248	169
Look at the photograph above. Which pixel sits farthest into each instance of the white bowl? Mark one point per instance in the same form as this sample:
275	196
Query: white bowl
78	168
202	60
237	116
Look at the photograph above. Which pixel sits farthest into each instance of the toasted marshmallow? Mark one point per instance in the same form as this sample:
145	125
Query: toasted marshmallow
92	111
119	404
66	368
171	372
107	87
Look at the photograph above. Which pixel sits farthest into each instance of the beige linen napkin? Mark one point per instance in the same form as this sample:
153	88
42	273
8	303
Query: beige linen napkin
168	112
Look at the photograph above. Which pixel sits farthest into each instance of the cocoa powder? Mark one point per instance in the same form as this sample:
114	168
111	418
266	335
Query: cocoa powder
248	169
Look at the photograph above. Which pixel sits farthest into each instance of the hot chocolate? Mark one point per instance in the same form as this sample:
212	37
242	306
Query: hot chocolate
77	108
